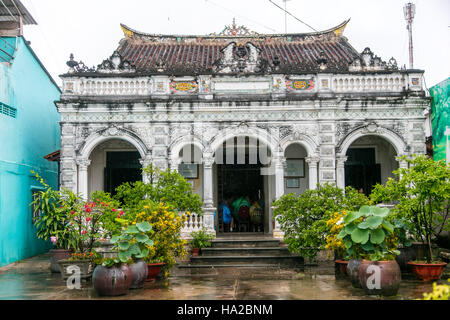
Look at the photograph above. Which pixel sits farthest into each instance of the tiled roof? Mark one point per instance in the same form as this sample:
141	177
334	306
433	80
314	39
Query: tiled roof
192	54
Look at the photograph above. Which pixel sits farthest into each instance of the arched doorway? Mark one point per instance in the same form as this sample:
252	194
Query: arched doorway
243	179
296	173
370	160
113	162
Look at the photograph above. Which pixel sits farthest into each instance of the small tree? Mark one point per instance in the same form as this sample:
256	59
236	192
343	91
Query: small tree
303	218
166	186
422	192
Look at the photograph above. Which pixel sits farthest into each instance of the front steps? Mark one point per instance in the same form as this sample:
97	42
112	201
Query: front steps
244	252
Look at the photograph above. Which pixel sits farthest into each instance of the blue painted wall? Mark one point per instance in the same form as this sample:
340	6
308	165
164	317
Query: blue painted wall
24	141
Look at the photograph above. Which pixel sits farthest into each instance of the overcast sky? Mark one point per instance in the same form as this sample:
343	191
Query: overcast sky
90	29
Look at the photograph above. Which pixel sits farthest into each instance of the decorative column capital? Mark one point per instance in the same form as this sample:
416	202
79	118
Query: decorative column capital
83	164
340	162
208	162
312	161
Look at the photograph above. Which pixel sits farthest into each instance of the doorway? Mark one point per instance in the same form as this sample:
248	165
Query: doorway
121	167
361	170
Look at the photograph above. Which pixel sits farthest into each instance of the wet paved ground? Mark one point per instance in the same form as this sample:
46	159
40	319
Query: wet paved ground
31	279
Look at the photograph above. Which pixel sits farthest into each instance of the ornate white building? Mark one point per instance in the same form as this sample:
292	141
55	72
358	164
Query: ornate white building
324	112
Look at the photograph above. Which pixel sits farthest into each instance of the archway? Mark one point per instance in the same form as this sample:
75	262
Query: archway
296	174
370	160
244	182
111	163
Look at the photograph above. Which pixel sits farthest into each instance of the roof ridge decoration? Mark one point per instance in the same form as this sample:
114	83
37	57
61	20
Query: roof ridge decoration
235	30
368	61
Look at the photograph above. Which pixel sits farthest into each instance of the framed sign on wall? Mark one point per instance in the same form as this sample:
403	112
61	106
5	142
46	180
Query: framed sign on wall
292	182
295	168
188	170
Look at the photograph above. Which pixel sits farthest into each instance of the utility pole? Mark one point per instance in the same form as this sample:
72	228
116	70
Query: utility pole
285	16
409	10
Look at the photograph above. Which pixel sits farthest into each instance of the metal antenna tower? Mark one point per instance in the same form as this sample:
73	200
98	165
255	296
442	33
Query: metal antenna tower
409	10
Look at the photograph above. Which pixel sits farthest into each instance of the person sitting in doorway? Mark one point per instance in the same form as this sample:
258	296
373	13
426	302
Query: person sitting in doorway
227	218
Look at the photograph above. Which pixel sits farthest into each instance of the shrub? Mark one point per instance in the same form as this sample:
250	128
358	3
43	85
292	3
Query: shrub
303	218
201	239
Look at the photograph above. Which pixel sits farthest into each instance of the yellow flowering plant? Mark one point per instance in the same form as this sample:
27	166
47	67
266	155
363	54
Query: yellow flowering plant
166	232
334	226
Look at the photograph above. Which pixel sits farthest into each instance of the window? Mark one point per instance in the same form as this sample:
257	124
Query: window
7	110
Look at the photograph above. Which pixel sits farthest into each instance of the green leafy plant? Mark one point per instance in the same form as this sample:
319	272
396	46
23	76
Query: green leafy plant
201	239
109	214
132	244
421	193
54	206
166	186
367	234
303	218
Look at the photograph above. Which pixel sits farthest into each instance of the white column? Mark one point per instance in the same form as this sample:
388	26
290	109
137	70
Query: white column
208	205
340	172
279	163
83	165
147	160
313	175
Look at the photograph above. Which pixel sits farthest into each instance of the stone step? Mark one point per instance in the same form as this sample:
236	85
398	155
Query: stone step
280	260
245	251
255	271
244	243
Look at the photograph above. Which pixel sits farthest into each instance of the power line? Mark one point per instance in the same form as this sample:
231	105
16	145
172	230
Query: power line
285	11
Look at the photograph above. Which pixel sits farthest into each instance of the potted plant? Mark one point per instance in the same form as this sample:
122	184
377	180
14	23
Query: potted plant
84	229
370	233
422	194
111	277
334	227
200	239
133	245
303	218
51	223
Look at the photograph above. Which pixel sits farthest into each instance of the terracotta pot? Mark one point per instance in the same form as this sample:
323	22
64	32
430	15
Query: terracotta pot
139	273
352	271
342	266
427	272
153	270
55	256
380	277
195	251
113	281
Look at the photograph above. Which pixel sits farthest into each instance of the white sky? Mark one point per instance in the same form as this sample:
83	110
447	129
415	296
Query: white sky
90	28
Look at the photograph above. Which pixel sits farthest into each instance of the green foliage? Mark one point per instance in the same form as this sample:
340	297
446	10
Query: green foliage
54	207
166	186
109	212
132	244
303	218
201	239
422	196
366	234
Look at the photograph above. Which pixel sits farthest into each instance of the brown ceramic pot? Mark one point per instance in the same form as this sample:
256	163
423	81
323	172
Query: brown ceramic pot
139	273
55	256
113	281
380	277
153	270
352	271
342	266
427	272
195	251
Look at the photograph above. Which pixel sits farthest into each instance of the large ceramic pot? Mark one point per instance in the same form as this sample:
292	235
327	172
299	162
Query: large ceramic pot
153	270
352	271
427	272
380	277
55	256
342	268
139	274
85	267
112	281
